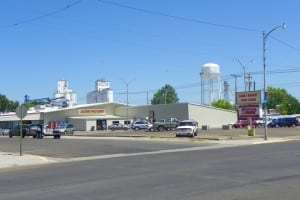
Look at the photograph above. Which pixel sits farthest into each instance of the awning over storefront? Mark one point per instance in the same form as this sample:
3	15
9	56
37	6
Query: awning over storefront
14	117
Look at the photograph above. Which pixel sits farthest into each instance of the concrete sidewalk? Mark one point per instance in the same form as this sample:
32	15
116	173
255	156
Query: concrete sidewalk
15	160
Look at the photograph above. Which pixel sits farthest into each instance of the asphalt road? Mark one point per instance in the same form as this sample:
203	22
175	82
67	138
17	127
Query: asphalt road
69	147
268	171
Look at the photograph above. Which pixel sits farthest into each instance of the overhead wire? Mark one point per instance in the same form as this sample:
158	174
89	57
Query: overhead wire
192	20
151	12
285	43
225	78
44	15
168	16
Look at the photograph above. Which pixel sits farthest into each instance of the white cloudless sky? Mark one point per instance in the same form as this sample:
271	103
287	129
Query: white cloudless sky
148	43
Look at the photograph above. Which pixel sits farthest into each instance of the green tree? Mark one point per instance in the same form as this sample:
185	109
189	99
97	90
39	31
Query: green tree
6	105
221	103
283	102
165	95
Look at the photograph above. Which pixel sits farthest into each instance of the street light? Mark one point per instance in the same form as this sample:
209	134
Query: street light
244	68
265	37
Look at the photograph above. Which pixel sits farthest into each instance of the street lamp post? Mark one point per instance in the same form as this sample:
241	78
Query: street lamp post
265	37
127	83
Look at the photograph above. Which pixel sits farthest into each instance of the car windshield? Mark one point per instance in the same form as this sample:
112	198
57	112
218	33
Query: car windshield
62	126
186	124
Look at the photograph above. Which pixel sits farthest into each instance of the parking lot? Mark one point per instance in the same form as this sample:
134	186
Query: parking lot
214	133
91	143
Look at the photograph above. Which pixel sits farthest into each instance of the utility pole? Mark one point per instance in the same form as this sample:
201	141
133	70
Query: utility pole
249	78
244	69
235	87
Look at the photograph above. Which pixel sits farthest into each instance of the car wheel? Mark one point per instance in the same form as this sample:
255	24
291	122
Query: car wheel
160	128
56	136
137	128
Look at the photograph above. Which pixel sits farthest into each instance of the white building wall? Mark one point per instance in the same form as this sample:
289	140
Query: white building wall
204	115
213	117
160	111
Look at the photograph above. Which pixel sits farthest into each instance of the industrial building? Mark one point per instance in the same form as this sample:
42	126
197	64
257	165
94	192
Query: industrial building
101	94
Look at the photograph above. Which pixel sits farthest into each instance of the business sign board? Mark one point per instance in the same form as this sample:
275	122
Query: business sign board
248	98
91	111
249	111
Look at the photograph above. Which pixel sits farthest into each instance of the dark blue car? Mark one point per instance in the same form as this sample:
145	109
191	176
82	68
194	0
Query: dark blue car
284	122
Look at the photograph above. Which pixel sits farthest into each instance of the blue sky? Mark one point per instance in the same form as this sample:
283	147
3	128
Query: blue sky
148	43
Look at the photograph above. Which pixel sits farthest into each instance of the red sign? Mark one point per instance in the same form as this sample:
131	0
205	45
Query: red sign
91	111
249	111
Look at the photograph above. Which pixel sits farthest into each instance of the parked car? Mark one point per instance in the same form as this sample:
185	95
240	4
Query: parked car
261	121
4	131
291	121
34	130
244	123
118	126
187	128
64	129
137	125
166	124
284	122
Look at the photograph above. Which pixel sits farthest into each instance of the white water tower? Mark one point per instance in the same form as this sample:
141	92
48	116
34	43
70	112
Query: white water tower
210	83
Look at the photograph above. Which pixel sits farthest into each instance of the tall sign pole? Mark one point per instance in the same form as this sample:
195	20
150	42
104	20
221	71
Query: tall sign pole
21	112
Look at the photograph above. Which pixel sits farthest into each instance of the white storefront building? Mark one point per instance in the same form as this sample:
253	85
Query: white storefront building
89	117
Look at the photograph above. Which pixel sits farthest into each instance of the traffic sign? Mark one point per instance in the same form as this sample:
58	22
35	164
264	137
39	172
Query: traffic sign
21	111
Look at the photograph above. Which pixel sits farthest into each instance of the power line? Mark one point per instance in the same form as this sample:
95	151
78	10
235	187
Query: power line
151	12
197	84
285	43
44	15
192	20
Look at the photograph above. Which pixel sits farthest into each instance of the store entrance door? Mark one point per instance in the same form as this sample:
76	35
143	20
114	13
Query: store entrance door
101	124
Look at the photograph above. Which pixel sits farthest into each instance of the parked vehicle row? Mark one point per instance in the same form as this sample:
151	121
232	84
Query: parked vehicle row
183	128
34	130
38	130
277	122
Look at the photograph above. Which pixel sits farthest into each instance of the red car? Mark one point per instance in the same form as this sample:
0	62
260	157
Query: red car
244	123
